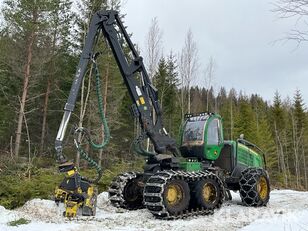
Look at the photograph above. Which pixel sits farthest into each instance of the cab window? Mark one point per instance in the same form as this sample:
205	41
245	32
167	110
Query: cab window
213	133
193	131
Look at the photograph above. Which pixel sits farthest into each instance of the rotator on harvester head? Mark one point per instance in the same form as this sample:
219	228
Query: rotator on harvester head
192	178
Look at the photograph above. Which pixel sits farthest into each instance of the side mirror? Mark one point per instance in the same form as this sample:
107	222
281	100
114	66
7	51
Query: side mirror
242	136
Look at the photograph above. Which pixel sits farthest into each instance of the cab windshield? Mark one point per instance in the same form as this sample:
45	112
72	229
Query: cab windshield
194	131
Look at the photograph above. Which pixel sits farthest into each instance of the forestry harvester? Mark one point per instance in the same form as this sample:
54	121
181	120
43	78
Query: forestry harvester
192	178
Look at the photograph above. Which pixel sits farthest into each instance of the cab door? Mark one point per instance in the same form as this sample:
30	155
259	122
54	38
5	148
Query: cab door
213	138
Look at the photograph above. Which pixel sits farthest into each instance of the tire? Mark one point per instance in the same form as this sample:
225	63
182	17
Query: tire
254	187
126	191
176	196
133	194
209	192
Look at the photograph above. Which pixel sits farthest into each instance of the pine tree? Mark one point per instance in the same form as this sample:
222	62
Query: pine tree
279	132
56	45
245	120
299	113
166	83
26	23
298	134
8	89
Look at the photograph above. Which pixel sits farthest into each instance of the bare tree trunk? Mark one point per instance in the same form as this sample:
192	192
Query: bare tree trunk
80	122
182	98
11	147
281	157
285	147
83	109
208	78
100	154
207	100
305	169
296	151
189	64
277	148
47	93
231	120
153	47
45	112
25	90
188	103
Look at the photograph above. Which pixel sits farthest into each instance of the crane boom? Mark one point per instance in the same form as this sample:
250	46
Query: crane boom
143	94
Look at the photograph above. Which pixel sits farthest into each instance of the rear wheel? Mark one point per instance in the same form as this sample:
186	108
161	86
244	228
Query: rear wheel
209	192
254	187
176	196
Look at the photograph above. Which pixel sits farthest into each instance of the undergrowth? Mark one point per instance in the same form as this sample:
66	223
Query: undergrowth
20	183
21	221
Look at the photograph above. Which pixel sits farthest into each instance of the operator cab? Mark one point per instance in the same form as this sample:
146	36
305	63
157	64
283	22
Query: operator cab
202	136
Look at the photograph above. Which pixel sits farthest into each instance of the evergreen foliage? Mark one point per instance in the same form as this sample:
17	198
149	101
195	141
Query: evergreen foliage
56	34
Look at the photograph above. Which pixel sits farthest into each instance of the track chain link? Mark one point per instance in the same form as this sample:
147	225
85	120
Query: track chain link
117	187
154	189
248	186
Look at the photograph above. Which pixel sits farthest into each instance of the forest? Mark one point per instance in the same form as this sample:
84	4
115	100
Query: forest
40	44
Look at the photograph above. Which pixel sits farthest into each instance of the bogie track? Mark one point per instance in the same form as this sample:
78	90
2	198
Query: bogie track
125	191
160	202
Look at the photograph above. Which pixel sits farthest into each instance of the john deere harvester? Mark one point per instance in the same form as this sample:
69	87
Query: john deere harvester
191	178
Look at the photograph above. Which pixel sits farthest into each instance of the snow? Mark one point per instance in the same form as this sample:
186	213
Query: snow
287	210
295	221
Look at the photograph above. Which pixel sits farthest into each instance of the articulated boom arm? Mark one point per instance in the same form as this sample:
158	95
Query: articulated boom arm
144	95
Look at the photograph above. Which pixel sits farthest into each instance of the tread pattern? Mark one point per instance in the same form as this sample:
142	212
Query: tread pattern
154	189
197	192
116	190
248	187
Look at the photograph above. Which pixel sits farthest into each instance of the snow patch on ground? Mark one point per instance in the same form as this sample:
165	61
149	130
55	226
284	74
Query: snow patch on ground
287	210
297	221
42	210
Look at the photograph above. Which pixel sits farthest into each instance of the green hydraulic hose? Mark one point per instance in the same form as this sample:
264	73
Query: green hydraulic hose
84	155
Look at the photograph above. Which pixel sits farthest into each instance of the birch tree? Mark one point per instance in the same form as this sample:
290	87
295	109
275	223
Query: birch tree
153	47
188	67
297	9
153	53
208	79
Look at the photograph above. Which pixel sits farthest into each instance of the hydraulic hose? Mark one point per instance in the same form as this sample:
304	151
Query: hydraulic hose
84	155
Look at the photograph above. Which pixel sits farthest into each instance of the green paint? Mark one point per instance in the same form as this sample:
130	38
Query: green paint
203	139
248	156
191	166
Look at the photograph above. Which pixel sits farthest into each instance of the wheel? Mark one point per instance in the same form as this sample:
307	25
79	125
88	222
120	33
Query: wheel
209	192
132	193
126	191
254	187
176	196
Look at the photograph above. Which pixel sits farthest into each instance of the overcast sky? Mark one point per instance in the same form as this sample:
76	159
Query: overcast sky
238	34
